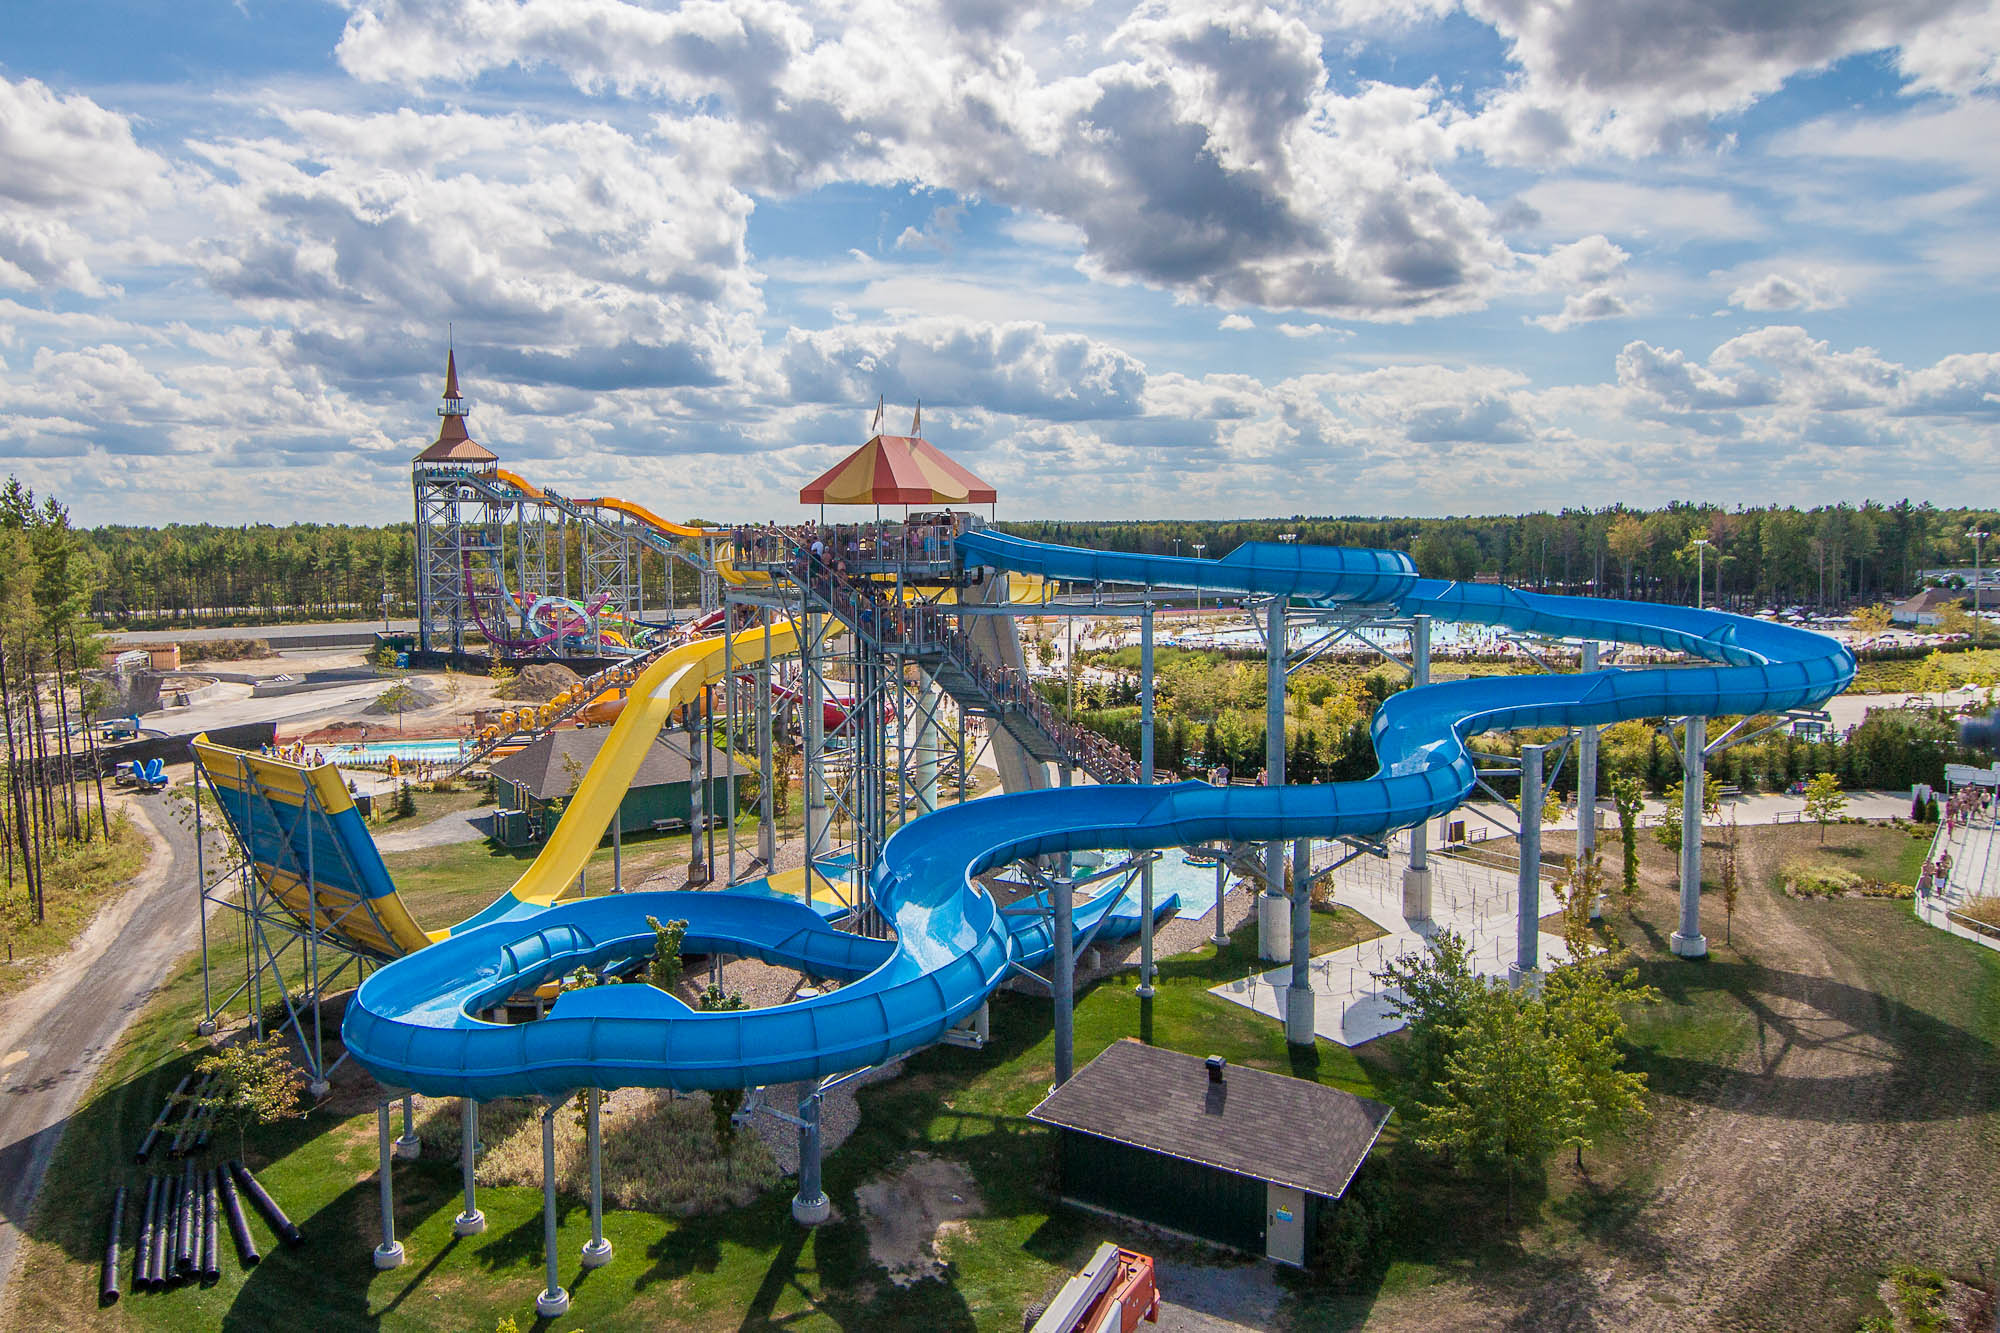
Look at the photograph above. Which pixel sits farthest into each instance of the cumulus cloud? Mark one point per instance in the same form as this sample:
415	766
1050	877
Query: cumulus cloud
571	254
1780	291
71	178
1653	76
1235	323
1206	156
1017	368
1585	308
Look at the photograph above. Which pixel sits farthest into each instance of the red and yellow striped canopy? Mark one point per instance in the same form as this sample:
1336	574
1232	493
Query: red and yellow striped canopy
897	470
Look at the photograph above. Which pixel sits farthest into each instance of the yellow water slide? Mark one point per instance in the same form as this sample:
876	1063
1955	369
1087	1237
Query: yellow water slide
299	824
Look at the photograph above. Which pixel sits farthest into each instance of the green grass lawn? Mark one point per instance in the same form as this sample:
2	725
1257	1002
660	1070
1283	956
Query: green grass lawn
78	882
445	884
746	1267
430	805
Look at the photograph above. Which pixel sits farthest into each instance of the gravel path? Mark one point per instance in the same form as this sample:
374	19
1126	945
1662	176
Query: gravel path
1854	1132
458	826
56	1034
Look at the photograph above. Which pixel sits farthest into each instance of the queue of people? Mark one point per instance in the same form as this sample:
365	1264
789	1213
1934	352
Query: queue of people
921	539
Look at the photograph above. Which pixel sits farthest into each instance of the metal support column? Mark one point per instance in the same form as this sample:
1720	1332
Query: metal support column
409	1146
810	1206
596	1250
1688	941
554	1301
1221	937
1299	994
389	1254
1417	877
1274	752
471	1221
1586	785
1528	887
1062	977
1146	968
767	824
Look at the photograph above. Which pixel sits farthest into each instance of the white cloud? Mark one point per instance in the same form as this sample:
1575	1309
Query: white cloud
1585	308
1779	291
1629	208
1235	323
1017	368
72	179
1207	156
1613	76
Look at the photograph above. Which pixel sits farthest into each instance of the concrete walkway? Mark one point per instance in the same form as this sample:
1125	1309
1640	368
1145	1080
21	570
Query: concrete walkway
1975	872
1477	901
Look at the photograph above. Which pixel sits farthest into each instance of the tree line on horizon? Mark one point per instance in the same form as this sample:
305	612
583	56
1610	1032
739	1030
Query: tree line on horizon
1829	556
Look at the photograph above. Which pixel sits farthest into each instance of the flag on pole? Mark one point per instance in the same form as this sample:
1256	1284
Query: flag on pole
917	421
876	428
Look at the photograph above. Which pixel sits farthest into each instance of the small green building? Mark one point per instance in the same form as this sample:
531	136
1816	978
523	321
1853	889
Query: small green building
535	781
1235	1156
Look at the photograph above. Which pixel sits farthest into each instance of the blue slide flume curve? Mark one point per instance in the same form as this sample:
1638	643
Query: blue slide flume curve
411	1022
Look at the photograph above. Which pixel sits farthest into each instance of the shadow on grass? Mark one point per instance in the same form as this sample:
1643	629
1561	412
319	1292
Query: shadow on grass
1914	1076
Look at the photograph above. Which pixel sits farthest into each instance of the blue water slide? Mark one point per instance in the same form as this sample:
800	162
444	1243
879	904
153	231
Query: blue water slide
412	1023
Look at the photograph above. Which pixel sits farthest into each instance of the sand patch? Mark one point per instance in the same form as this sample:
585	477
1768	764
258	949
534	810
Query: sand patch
913	1214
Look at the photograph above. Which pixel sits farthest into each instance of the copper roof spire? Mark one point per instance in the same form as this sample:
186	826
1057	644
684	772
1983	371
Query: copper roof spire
453	444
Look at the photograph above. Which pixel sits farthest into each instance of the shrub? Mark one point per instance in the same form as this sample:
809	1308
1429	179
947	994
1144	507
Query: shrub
1983	908
1921	1294
1803	879
1354	1233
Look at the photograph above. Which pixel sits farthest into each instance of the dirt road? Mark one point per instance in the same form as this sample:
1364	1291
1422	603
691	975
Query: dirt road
55	1034
1852	1134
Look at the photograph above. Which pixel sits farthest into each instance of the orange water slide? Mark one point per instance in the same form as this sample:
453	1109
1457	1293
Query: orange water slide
640	512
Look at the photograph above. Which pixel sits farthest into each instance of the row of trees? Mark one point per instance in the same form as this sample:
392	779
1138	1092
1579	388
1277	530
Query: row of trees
201	573
44	647
1210	713
1828	556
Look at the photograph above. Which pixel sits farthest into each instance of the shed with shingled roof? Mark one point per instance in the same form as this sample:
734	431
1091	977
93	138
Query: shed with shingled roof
1236	1156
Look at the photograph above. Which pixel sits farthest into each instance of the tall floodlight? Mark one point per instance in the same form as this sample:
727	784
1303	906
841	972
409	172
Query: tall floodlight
1978	535
1700	589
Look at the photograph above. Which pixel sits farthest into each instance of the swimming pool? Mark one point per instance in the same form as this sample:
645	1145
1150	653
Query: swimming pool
1172	874
380	752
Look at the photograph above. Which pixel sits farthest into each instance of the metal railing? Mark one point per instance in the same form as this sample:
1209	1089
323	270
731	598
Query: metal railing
891	628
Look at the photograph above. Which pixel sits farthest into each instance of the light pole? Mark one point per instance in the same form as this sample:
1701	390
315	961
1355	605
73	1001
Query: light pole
1978	535
1700	570
1199	547
1177	548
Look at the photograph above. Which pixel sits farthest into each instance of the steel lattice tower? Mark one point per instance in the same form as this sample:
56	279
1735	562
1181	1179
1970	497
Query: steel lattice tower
460	530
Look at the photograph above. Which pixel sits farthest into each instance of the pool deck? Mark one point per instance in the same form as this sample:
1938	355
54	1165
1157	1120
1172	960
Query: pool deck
1350	1007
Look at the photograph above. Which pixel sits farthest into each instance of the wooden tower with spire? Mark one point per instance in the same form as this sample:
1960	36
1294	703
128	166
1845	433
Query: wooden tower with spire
460	527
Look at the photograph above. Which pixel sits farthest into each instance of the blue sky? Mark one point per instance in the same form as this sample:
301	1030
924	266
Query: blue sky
1351	256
